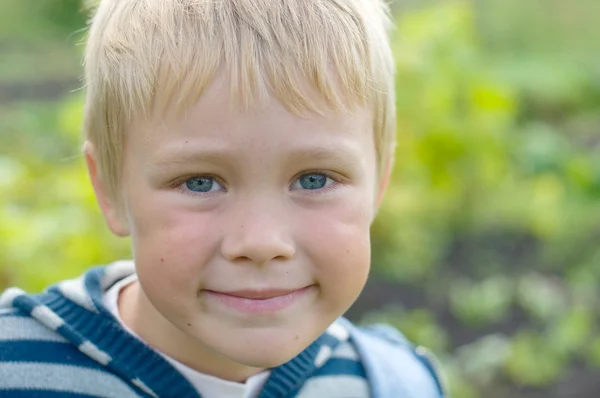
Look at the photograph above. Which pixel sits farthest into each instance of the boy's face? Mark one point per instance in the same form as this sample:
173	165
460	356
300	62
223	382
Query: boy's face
250	229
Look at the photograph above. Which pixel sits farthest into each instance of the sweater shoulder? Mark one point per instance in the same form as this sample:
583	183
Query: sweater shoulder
17	326
384	350
34	357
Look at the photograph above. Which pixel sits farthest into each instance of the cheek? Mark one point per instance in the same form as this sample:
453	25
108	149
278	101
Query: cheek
338	243
171	245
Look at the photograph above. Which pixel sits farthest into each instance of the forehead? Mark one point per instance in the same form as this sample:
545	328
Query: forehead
219	122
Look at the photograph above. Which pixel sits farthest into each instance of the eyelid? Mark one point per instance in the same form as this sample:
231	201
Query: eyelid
330	174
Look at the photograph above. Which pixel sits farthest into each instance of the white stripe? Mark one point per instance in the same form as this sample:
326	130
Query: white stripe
144	387
95	353
22	328
62	378
322	356
338	331
74	290
115	271
345	351
335	387
6	299
47	317
7	311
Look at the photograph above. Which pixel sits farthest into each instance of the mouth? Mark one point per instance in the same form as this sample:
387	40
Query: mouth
257	301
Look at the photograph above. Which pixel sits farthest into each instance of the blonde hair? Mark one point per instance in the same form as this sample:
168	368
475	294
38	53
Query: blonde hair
145	55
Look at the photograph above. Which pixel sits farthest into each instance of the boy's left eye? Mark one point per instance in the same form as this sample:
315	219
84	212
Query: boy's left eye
202	185
312	181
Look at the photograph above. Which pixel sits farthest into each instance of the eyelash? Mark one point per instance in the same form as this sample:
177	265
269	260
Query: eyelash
335	178
177	185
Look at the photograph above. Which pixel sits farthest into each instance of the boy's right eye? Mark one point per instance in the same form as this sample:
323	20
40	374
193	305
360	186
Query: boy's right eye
203	184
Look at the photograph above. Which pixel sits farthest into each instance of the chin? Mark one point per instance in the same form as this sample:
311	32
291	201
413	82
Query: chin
266	352
264	359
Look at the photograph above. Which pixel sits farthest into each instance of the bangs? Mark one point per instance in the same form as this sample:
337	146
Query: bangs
312	56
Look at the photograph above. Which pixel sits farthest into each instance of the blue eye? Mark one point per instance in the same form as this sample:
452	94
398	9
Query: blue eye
202	184
312	181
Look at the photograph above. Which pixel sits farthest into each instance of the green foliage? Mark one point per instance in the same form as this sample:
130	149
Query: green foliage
491	220
51	228
482	302
38	41
493	147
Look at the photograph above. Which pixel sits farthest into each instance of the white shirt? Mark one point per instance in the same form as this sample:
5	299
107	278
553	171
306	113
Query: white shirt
206	385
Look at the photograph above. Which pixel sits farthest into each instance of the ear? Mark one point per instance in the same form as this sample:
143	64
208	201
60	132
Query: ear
109	207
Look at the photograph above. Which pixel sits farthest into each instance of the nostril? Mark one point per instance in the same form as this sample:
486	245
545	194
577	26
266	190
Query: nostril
282	258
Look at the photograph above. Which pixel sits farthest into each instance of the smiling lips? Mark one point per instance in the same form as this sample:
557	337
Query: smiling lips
256	301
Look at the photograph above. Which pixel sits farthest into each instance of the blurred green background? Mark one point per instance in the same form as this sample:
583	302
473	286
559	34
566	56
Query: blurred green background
486	249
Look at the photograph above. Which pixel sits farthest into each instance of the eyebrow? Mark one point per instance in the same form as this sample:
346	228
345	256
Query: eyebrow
191	151
182	155
341	154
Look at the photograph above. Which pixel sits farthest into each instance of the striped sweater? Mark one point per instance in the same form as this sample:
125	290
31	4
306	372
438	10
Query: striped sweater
65	343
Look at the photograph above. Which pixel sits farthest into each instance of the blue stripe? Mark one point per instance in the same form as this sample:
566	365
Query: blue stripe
93	285
45	351
15	313
42	394
25	303
341	366
68	333
54	289
327	339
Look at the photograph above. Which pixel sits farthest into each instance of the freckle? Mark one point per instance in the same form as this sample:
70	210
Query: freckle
189	324
162	260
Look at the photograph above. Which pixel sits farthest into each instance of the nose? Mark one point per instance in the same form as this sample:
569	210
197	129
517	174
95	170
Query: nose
258	234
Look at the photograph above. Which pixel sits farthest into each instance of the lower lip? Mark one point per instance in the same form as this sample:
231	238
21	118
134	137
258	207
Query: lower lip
272	304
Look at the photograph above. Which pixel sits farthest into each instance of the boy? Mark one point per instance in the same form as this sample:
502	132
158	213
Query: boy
244	146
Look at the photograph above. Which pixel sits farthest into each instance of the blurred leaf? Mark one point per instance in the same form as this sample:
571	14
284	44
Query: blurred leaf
543	297
530	362
482	302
